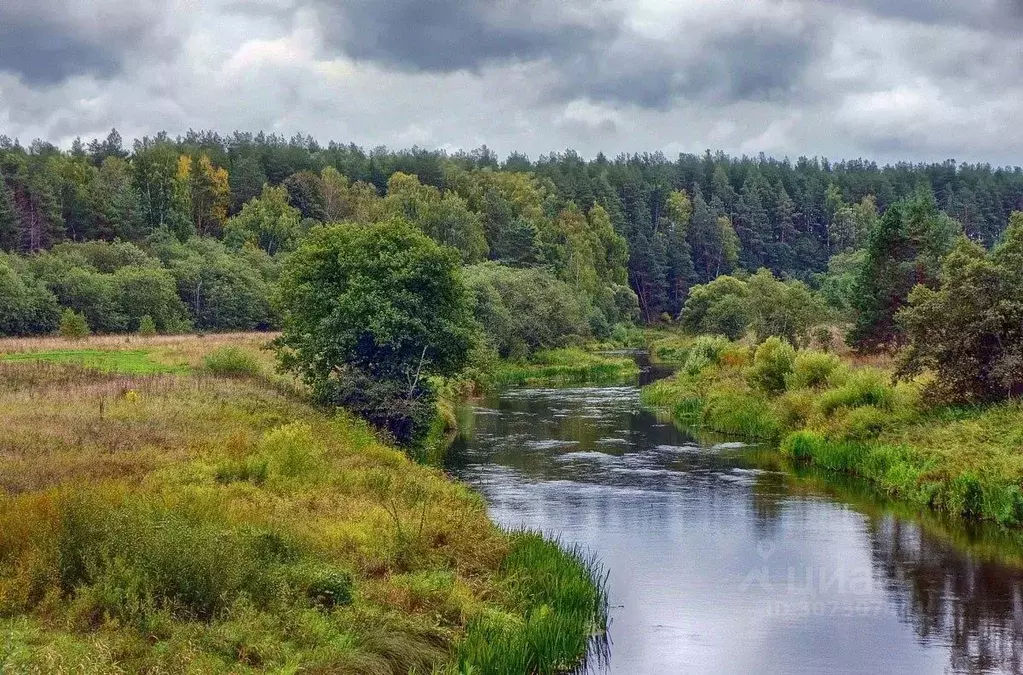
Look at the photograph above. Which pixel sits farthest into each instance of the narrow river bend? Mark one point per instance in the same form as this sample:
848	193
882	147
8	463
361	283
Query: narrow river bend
721	563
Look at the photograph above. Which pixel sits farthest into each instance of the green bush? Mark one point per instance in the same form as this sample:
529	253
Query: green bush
812	369
526	310
700	314
705	351
147	327
292	450
232	362
73	325
865	423
772	363
370	315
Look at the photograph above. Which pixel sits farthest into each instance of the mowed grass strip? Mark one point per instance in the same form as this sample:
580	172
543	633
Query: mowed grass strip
127	362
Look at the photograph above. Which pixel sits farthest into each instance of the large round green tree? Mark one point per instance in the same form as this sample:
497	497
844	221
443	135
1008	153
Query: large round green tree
370	312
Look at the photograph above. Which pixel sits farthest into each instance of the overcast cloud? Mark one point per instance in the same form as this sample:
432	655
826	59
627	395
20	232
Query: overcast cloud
912	80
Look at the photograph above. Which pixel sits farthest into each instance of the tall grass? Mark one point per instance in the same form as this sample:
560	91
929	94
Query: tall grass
232	362
564	366
562	606
156	523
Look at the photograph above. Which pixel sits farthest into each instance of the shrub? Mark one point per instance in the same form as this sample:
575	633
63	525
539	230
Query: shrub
698	317
772	363
627	335
371	313
735	356
729	316
133	562
147	327
795	408
782	308
865	423
864	386
26	306
73	325
526	310
232	362
812	369
704	352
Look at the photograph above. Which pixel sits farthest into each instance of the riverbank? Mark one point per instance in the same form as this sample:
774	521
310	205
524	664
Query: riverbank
563	366
845	416
173	505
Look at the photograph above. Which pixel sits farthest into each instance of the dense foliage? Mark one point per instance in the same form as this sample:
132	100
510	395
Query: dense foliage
904	249
685	220
190	232
969	330
370	313
763	304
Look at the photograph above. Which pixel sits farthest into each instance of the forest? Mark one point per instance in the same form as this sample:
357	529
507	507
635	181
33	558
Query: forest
208	217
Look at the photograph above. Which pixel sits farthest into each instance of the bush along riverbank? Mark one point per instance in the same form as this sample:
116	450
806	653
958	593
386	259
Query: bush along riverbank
205	518
845	417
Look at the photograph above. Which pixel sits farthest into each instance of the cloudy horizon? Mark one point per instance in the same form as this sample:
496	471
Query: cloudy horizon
923	81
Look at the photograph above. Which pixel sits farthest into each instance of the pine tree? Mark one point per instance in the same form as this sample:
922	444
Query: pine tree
8	220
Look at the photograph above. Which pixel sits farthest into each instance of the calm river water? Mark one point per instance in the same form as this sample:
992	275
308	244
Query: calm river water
721	563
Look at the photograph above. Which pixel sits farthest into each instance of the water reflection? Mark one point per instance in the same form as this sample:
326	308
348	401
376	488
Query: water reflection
722	563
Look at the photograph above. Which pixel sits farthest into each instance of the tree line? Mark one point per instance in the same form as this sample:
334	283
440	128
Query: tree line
686	220
195	232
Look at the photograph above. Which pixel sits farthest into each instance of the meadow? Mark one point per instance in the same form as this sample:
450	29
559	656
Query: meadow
850	415
171	504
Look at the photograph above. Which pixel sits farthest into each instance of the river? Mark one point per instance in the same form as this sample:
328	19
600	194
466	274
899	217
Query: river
722	562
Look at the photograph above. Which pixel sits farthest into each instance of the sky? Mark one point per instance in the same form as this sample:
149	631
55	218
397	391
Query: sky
890	80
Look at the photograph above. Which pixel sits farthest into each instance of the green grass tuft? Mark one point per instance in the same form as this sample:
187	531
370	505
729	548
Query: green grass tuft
232	362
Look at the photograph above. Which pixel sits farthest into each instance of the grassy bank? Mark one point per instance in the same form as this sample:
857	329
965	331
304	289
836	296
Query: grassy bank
563	366
847	416
206	519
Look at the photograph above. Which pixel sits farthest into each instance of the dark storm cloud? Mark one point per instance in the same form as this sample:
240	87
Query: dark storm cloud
758	64
587	43
1000	16
451	35
43	56
46	41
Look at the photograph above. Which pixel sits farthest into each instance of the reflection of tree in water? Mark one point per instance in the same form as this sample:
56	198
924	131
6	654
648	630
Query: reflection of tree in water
950	598
768	497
